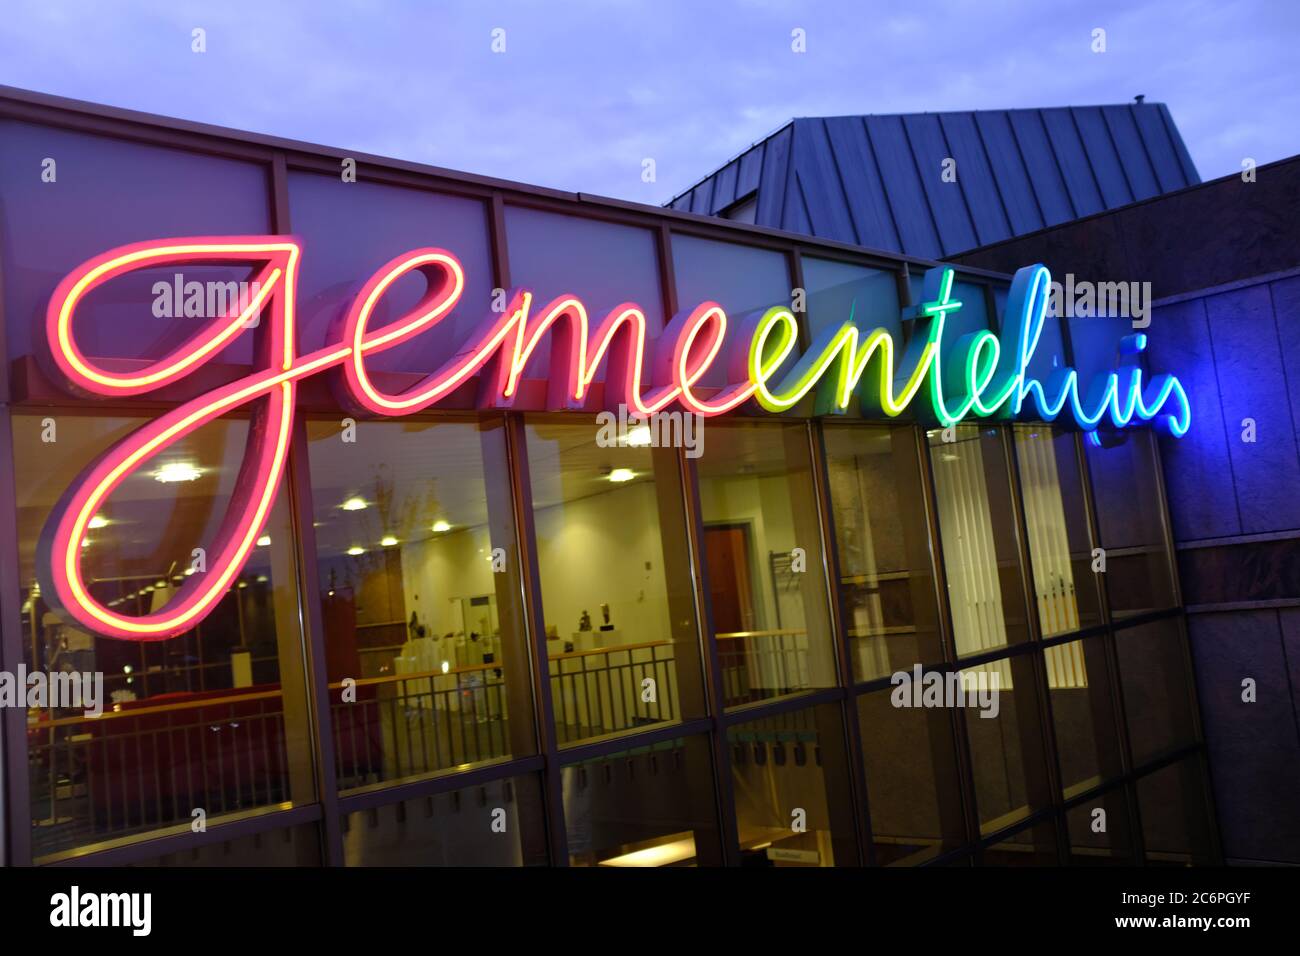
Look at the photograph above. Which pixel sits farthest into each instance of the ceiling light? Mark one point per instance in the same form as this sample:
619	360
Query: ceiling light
387	541
262	579
188	572
440	526
97	522
85	542
622	474
177	471
264	541
354	551
665	854
354	504
638	437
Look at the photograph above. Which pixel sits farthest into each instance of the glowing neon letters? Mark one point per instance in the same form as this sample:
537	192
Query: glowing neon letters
981	375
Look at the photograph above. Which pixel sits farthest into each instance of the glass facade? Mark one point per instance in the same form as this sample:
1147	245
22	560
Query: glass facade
491	637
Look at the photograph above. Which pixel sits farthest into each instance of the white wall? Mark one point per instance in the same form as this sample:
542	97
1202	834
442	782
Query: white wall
764	505
594	551
438	572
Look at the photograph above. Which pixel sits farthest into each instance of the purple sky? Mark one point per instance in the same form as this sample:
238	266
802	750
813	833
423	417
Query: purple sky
586	89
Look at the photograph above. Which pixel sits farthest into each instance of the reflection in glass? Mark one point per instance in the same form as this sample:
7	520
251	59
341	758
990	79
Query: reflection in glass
415	557
1126	489
1099	831
197	720
742	279
113	192
290	846
1157	688
499	823
913	785
1056	521
978	534
382	222
1006	743
790	783
1176	825
1035	846
839	291
763	560
652	806
971	317
886	577
1078	683
604	264
616	585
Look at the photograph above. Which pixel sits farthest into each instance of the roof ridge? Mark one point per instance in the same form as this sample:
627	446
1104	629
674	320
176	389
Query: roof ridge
731	159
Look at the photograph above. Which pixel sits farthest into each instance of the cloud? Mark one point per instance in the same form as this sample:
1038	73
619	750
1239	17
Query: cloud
586	90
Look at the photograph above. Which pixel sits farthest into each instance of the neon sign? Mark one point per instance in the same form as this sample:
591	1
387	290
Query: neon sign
981	375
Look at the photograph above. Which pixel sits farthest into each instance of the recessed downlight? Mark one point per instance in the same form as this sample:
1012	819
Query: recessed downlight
177	471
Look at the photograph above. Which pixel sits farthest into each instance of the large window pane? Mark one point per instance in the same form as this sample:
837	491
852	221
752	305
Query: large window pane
602	263
214	719
382	222
838	291
1130	521
111	192
882	535
971	317
1050	353
1035	846
913	783
499	823
649	806
1176	824
616	583
1056	520
1078	682
763	560
1158	702
789	779
418	579
978	532
1006	743
1099	831
742	279
289	846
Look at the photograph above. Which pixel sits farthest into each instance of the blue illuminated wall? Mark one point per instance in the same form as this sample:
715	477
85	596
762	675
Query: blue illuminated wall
1223	259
